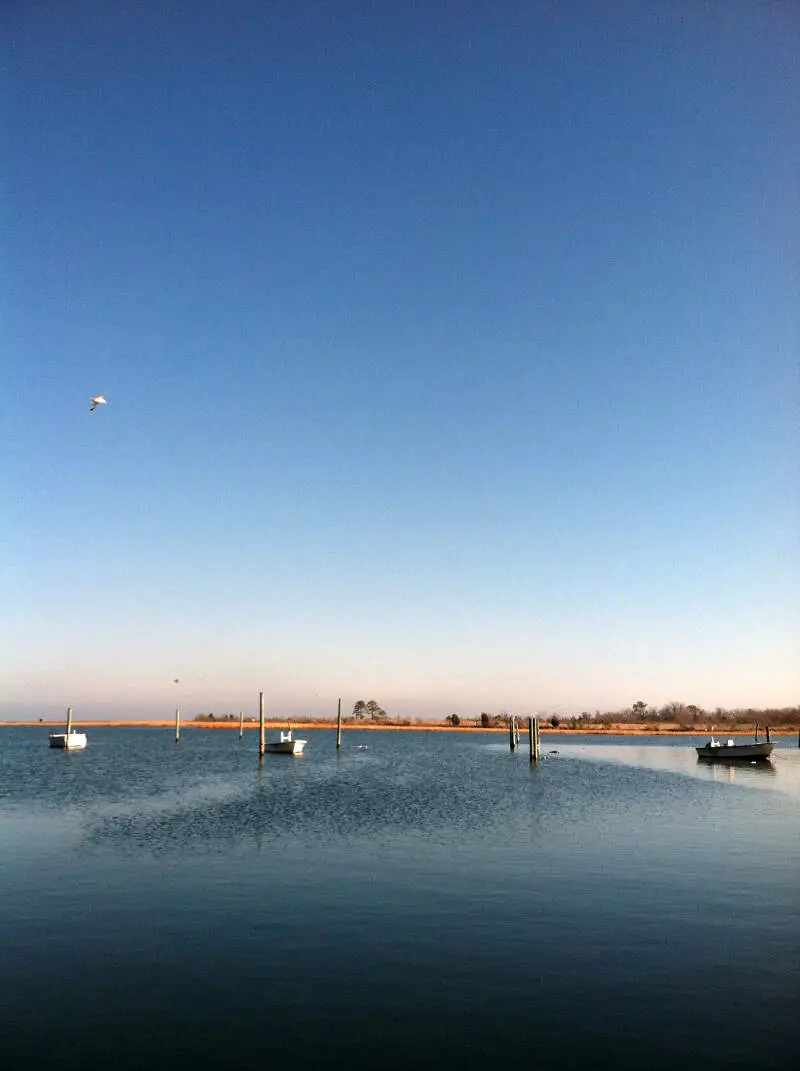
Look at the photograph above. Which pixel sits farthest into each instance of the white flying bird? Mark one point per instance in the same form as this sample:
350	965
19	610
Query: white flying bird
99	400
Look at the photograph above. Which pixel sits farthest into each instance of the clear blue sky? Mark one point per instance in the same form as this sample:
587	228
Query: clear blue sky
450	349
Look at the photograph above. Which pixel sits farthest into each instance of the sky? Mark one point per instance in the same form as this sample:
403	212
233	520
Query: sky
450	350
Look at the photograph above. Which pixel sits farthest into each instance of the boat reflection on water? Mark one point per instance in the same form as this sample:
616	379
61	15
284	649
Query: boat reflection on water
731	762
781	771
727	771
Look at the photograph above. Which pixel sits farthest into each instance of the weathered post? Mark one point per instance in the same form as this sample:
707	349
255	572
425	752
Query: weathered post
261	745
533	739
241	723
766	730
69	723
511	742
538	739
755	737
177	726
516	731
339	726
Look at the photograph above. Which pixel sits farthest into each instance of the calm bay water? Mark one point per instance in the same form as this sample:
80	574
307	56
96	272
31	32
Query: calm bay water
429	899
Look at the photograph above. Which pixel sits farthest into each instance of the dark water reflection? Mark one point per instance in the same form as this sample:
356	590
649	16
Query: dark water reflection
430	899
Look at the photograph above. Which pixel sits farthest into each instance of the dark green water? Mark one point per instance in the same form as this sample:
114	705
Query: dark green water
431	901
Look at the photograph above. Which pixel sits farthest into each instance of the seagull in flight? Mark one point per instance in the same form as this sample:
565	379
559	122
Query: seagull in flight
98	400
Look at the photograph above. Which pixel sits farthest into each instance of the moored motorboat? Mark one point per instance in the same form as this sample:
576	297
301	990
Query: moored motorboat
717	751
287	745
69	740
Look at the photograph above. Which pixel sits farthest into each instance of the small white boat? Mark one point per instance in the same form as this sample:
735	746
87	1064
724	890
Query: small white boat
287	745
69	740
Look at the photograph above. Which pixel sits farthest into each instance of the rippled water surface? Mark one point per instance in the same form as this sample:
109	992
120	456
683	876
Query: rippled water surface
430	899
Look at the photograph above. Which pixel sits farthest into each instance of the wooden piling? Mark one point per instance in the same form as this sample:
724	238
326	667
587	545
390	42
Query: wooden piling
261	744
533	739
339	725
241	723
755	735
69	723
511	742
766	730
177	726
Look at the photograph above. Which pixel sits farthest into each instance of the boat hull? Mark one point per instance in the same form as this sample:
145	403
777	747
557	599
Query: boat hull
285	747
68	741
735	752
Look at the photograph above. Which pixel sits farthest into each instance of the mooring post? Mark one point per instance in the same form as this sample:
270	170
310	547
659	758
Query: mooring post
538	739
339	725
69	722
755	737
241	723
512	745
516	731
177	725
261	746
533	739
766	730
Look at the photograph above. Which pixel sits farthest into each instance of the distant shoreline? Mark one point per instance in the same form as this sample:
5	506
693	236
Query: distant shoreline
273	723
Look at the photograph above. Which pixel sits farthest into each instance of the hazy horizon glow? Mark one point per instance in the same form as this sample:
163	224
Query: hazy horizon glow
451	357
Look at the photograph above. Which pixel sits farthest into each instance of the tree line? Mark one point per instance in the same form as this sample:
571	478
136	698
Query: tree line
684	715
690	714
641	713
